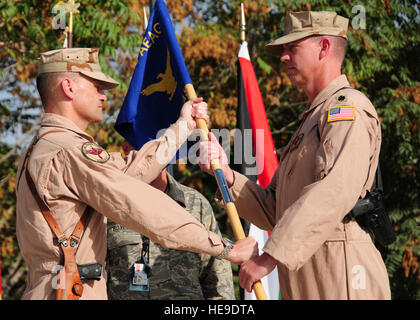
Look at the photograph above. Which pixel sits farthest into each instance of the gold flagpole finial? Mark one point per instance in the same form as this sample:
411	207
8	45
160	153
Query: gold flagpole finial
144	19
242	24
66	34
71	8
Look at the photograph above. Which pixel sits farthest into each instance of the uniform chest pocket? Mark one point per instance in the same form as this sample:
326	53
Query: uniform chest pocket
119	236
299	154
301	147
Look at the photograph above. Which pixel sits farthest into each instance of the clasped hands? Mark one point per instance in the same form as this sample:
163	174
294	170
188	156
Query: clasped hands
256	266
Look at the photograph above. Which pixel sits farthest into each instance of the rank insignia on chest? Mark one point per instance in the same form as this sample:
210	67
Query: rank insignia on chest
341	113
94	152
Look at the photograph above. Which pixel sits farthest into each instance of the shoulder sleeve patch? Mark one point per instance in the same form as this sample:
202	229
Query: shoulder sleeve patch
95	152
341	113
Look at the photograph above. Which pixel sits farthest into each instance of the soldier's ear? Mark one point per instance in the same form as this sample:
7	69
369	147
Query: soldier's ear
66	86
325	47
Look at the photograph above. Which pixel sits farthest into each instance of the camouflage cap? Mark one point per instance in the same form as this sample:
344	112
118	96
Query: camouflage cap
299	25
83	60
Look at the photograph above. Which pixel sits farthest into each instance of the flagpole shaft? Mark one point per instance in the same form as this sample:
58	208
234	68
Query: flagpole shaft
70	33
232	213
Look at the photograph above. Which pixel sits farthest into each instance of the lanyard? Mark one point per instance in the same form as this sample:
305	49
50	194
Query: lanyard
145	254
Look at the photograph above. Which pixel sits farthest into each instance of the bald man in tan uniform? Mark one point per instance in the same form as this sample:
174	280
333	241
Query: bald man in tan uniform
70	172
330	162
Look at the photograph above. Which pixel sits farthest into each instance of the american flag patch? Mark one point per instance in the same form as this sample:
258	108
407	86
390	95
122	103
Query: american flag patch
341	113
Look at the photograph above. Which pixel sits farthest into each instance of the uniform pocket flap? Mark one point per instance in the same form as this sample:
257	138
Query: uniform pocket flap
122	237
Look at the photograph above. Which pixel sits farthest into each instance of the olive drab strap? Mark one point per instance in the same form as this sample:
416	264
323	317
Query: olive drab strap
68	245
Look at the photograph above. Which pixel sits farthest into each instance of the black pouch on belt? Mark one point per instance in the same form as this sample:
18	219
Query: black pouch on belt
90	271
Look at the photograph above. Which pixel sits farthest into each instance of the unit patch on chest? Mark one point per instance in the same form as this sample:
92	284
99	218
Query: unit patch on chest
95	152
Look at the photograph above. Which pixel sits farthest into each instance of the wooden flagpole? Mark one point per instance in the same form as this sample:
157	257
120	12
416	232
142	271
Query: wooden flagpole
71	8
232	213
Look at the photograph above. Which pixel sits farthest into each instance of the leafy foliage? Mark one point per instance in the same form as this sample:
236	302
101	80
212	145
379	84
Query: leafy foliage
382	61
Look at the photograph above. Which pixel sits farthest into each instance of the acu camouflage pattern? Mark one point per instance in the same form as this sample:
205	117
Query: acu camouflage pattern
175	274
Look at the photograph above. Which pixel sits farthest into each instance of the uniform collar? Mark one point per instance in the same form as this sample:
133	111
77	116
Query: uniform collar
330	89
57	121
174	191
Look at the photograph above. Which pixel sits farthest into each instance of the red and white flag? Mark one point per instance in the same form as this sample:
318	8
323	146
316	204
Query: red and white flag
252	115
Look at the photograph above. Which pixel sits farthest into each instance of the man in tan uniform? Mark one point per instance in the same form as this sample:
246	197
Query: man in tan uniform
330	162
70	173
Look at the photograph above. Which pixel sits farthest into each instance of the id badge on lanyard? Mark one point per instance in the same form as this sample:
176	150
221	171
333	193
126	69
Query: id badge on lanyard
141	270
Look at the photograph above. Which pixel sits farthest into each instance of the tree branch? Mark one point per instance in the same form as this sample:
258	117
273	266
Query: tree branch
9	67
4	180
291	124
21	142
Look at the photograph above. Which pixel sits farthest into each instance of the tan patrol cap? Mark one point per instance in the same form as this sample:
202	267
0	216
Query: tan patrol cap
299	25
83	60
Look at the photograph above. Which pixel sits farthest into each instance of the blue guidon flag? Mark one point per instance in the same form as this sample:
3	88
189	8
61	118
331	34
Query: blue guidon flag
156	93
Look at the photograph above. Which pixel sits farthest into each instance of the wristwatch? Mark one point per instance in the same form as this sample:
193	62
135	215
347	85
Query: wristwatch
228	246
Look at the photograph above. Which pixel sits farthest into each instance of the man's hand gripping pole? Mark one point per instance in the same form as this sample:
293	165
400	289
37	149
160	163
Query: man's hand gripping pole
232	213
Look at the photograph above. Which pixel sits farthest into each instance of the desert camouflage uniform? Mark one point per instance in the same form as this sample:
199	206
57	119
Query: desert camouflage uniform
175	274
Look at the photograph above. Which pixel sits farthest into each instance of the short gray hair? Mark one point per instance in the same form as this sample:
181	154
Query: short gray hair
339	46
